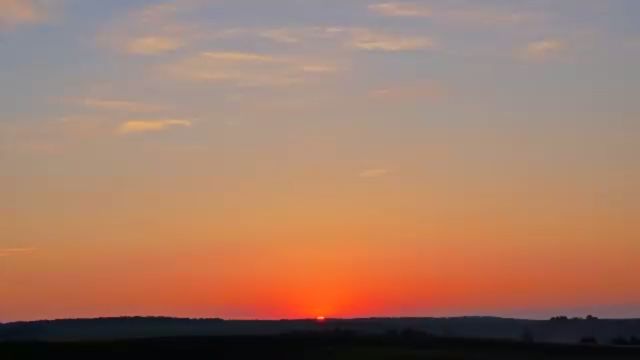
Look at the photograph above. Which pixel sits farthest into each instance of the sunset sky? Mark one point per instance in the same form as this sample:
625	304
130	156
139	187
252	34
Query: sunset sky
299	158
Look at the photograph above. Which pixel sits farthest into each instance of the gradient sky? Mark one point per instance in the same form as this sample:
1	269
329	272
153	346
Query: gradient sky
295	158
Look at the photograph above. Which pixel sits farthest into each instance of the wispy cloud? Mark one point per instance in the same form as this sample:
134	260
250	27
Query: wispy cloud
241	57
161	11
463	15
542	50
18	12
152	30
158	29
16	251
485	16
248	69
296	35
141	126
417	91
365	39
119	105
374	173
352	37
281	35
401	9
151	45
319	69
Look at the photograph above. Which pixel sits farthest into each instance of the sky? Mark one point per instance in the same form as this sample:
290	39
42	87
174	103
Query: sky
299	158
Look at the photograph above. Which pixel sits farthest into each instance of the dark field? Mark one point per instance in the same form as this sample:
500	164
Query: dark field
310	346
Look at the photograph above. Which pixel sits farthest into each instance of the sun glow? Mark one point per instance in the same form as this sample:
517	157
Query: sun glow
320	318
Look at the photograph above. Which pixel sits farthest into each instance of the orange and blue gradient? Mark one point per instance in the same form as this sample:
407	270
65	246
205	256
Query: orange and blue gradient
339	158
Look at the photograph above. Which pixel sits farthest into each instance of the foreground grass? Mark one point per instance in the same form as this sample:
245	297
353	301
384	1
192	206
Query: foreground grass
310	346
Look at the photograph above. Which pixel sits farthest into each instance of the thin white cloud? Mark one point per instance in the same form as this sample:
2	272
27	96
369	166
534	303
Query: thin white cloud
16	251
151	45
158	29
295	35
152	30
542	50
374	173
401	9
319	69
158	11
351	37
408	92
461	15
248	69
120	105
282	35
365	39
485	16
141	126
240	57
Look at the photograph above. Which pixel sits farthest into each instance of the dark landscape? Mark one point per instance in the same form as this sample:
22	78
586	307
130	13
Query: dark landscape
376	338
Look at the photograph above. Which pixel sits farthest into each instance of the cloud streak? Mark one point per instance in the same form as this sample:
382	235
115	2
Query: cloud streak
409	92
401	9
120	105
152	45
358	38
241	57
143	126
542	50
16	251
374	173
485	17
152	30
365	39
460	15
246	69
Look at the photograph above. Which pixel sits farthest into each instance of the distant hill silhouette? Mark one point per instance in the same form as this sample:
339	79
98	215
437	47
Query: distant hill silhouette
556	330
